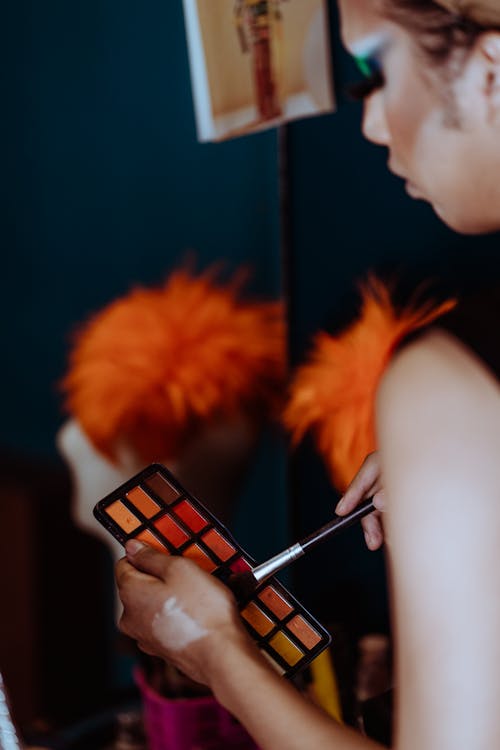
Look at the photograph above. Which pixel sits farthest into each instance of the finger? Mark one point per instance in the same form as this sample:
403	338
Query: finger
364	484
380	500
373	530
146	559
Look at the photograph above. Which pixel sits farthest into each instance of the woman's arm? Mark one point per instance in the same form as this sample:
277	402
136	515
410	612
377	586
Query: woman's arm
176	611
439	436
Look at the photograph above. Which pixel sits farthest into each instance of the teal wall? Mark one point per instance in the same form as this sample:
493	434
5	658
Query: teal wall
105	185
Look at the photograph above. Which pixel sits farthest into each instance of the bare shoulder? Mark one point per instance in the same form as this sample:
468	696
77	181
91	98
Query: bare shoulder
434	359
438	425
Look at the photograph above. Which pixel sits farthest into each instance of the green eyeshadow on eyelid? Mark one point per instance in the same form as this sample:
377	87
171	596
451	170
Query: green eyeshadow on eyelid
363	65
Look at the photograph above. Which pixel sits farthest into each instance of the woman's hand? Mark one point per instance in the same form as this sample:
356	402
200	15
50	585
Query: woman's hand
176	611
366	484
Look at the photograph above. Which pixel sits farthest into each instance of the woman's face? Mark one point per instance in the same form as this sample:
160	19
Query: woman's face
441	137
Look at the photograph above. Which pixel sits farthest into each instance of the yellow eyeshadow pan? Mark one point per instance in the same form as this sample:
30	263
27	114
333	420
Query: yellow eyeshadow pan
155	509
259	621
143	502
123	516
286	648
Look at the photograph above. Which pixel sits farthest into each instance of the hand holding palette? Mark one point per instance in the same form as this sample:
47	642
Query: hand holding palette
155	509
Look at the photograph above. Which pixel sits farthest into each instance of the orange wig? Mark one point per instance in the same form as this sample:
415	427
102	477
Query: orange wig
334	394
154	365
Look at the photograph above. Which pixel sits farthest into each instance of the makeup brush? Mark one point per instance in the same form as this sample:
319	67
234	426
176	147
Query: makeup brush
243	584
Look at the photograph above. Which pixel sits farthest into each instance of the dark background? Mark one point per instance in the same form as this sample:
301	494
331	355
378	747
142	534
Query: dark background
104	187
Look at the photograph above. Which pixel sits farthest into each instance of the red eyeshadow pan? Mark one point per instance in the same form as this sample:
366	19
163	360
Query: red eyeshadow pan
218	544
170	530
303	631
240	565
196	554
123	516
190	516
162	488
143	502
275	602
148	538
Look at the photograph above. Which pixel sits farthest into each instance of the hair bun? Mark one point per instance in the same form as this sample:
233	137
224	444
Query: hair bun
483	12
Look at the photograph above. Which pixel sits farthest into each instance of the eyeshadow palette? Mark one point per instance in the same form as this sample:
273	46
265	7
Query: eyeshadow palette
155	509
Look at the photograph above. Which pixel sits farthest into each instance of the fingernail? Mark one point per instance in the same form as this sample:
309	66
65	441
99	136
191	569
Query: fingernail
368	538
340	506
133	547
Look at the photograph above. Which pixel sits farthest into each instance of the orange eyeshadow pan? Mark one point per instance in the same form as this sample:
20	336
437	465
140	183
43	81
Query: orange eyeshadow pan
196	554
170	530
275	602
190	516
218	544
155	509
148	538
143	502
123	516
257	619
304	632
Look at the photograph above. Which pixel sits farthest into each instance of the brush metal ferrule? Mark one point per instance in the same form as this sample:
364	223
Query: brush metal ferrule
279	561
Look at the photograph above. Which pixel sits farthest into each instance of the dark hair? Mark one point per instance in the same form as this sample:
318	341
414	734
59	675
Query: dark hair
440	33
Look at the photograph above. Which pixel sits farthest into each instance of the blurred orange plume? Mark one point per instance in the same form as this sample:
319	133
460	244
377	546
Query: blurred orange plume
153	365
333	395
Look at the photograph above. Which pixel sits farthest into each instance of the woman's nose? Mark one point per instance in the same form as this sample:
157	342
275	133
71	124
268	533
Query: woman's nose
374	125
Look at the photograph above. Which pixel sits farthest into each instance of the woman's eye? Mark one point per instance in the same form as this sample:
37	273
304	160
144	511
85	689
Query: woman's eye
363	89
373	78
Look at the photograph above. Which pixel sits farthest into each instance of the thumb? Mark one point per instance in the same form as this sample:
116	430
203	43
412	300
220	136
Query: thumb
145	558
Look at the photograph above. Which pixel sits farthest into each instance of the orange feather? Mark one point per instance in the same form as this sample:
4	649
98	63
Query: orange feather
333	395
155	364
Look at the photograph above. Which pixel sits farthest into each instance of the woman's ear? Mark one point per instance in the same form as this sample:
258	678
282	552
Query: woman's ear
488	52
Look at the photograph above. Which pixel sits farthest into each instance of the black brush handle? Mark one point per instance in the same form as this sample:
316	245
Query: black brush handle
339	523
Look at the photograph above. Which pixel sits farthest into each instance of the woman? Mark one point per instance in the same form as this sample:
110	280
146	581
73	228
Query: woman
433	100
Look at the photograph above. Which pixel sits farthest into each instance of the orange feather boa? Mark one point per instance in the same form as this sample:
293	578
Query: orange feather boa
333	395
152	366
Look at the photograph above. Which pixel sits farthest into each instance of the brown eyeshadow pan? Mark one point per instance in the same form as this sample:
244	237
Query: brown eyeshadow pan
162	487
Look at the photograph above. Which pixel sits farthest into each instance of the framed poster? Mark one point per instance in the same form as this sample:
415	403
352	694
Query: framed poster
257	63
